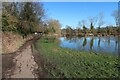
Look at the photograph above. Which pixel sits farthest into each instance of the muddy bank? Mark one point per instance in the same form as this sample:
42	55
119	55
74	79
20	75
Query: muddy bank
40	71
11	42
7	64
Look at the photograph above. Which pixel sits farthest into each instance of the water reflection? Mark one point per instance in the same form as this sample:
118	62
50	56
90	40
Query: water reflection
91	43
84	42
99	42
96	44
108	41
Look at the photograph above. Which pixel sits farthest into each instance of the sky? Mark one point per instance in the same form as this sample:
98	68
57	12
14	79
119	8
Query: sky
70	13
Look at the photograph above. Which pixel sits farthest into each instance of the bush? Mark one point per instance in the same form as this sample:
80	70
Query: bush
49	39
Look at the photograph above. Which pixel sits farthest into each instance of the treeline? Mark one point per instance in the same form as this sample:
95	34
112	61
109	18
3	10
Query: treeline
90	28
29	17
103	31
24	18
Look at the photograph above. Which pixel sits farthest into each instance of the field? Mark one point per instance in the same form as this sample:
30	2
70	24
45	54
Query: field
68	63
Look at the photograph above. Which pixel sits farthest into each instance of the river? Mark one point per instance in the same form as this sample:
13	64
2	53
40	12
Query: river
108	44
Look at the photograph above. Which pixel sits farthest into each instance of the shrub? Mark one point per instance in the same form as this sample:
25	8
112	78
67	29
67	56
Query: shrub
49	39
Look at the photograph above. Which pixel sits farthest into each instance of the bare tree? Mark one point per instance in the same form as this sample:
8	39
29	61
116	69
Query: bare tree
93	20
82	23
116	17
79	24
101	19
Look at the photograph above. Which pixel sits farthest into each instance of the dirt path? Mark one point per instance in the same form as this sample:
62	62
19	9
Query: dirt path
25	63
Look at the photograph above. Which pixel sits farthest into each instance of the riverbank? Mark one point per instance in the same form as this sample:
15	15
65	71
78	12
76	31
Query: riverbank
68	63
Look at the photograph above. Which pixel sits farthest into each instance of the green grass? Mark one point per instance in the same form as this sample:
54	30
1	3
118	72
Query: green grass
70	63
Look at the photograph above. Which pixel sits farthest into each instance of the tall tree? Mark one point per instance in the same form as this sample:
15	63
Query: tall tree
100	19
116	16
31	16
55	26
93	20
91	28
24	18
9	16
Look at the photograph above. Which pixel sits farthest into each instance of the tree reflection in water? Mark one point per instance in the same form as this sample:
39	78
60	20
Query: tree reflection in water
99	42
91	43
85	41
108	41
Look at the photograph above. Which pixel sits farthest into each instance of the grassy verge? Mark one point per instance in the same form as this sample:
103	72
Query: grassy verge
70	63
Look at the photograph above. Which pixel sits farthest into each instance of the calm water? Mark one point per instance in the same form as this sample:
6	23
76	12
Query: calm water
94	44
